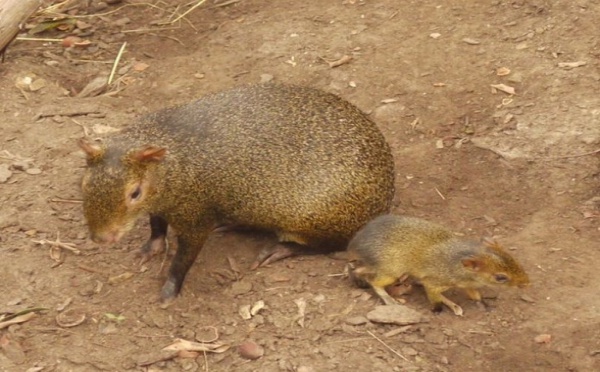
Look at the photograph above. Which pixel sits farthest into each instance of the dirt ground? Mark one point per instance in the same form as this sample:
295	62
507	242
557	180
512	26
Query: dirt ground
522	168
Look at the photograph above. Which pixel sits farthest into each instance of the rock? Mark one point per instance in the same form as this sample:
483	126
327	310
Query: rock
251	350
395	314
357	320
265	78
5	173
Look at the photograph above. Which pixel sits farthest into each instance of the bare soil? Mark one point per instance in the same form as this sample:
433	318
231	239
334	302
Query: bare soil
521	168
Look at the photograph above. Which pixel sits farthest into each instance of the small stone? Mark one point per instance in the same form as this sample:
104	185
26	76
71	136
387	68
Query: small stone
471	41
251	350
543	338
409	351
305	369
240	288
357	320
122	22
527	298
395	314
37	85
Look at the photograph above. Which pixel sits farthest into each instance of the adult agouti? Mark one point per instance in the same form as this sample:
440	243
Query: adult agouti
297	161
390	247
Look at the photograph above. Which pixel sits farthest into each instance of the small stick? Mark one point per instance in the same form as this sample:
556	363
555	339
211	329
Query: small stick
386	345
226	3
37	39
569	156
188	11
59	244
114	69
86	133
59	200
439	193
91	269
162	264
480	332
350	340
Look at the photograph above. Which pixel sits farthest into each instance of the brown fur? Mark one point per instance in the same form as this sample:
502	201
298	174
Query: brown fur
297	161
390	246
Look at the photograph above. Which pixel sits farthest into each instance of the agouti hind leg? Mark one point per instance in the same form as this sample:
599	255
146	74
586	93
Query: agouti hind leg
188	248
157	241
437	299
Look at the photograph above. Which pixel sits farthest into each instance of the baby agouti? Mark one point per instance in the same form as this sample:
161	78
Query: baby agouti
391	246
297	161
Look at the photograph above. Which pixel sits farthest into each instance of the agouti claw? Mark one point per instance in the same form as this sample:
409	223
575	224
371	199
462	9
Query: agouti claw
152	248
271	254
169	291
457	310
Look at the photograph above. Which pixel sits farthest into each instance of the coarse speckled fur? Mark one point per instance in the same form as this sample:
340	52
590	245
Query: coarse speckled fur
391	246
303	163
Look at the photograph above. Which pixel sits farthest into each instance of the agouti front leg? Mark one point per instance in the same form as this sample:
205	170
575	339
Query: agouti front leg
188	247
475	295
379	283
437	299
157	241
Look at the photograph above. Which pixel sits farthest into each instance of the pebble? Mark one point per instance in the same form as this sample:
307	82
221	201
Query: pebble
251	350
395	314
33	171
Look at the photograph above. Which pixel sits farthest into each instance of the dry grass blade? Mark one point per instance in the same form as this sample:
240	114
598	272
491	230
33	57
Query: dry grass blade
116	63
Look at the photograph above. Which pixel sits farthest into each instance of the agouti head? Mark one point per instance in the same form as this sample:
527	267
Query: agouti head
116	188
494	266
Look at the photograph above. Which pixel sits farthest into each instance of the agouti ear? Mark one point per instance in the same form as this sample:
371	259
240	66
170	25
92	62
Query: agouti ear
473	263
92	150
149	153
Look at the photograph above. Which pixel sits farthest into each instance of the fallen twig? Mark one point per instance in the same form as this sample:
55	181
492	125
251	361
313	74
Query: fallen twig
59	244
386	345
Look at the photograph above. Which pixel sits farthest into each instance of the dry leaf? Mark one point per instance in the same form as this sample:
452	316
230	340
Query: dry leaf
258	306
19	319
120	278
502	71
103	129
570	65
503	88
140	66
301	303
70	318
181	344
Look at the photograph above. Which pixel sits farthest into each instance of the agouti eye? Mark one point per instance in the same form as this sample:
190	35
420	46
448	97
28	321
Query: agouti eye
136	193
501	278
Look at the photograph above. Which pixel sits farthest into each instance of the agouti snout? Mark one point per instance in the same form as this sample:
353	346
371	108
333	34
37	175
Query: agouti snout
297	161
391	246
